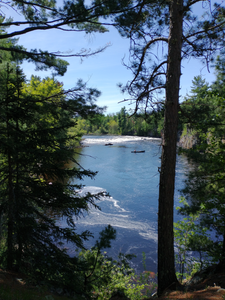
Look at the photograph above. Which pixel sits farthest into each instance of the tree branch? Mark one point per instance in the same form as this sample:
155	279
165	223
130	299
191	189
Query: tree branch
83	53
38	5
204	31
147	92
190	3
144	53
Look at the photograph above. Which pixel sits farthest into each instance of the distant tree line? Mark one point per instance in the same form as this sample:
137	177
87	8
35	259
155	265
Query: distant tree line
123	123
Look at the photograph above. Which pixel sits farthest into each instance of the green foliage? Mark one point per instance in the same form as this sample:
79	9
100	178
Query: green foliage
115	276
203	113
122	121
34	151
39	122
198	109
45	15
36	170
140	124
191	237
162	34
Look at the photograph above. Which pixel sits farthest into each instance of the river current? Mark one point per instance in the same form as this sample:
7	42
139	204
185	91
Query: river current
132	180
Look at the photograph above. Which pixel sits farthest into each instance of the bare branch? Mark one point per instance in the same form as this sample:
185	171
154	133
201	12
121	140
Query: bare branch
144	53
156	69
146	93
83	53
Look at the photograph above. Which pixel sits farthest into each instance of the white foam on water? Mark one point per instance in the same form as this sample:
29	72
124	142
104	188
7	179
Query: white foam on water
115	139
100	218
95	190
91	189
96	217
149	235
116	205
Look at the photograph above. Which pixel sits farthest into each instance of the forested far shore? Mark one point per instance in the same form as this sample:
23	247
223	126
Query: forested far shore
200	111
124	123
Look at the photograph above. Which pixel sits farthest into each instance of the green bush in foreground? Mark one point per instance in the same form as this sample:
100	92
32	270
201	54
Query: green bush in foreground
101	276
191	236
115	276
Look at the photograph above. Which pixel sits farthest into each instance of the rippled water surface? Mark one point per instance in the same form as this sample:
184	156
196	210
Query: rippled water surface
132	181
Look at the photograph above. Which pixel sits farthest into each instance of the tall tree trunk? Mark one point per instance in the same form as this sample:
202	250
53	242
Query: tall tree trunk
17	198
10	218
166	265
10	214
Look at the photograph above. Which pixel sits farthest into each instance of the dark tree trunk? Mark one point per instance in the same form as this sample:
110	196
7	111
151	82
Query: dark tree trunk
10	220
221	265
166	267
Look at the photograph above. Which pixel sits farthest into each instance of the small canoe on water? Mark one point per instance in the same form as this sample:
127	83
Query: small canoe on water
138	151
108	144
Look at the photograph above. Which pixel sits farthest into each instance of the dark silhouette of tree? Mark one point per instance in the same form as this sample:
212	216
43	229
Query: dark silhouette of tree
37	166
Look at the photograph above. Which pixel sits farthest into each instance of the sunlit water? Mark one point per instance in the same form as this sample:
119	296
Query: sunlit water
132	181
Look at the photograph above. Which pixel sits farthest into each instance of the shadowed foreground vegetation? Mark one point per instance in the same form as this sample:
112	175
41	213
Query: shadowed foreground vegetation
13	286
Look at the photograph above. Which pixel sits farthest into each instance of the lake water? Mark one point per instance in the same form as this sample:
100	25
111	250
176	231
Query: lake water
132	181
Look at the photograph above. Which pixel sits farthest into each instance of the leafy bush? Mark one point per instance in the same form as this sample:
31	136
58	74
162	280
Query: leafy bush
103	276
191	236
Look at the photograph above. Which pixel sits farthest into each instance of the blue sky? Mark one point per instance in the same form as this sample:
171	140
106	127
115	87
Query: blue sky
102	71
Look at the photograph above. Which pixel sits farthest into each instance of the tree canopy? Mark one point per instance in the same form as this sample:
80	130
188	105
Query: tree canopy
73	16
162	34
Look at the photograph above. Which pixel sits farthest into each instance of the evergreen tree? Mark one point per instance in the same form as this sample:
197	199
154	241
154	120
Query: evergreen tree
45	15
142	124
122	121
36	153
179	33
36	175
205	184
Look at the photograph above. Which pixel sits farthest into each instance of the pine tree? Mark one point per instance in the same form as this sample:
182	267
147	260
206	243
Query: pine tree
36	149
170	28
36	190
205	184
71	15
122	121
